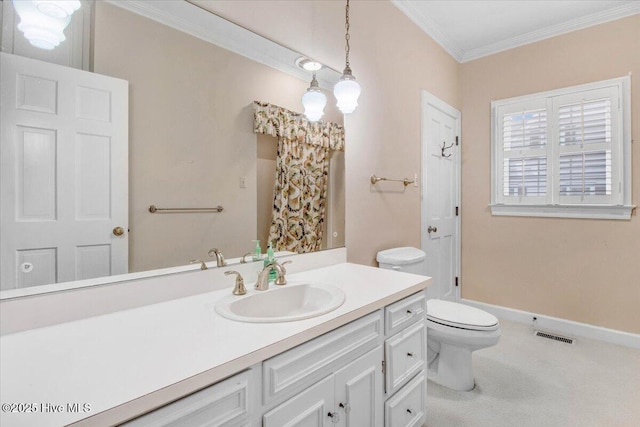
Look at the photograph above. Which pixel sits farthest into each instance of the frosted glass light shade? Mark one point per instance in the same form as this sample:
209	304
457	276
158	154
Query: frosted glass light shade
57	8
314	102
347	91
42	31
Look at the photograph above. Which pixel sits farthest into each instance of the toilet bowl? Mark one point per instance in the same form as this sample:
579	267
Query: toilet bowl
454	331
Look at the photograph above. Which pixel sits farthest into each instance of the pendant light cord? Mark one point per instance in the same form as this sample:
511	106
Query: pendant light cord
347	37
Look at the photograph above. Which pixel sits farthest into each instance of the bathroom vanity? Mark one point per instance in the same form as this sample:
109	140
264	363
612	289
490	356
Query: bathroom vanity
178	361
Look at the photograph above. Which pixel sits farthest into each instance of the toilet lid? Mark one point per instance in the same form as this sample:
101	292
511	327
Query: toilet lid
460	315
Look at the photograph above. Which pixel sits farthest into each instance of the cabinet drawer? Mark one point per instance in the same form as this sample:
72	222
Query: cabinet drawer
405	312
408	407
292	371
405	355
224	404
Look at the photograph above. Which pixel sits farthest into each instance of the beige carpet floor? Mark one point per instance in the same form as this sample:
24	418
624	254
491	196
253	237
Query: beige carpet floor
528	381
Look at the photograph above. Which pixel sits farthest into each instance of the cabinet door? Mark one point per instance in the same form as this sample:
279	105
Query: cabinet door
359	391
311	408
225	404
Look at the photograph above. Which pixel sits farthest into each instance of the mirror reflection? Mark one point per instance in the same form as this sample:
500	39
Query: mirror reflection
164	119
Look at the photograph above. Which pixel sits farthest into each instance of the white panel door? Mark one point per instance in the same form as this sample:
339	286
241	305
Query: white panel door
440	197
359	391
64	174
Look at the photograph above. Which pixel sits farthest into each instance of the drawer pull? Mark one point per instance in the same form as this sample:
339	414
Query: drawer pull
410	313
409	354
335	417
409	411
346	407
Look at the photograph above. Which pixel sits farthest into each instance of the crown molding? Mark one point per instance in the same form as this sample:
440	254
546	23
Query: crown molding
427	25
204	25
432	30
554	30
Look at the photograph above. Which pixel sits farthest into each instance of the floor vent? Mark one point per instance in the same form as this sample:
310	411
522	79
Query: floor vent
554	337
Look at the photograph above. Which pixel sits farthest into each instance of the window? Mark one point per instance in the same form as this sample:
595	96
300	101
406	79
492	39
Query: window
564	153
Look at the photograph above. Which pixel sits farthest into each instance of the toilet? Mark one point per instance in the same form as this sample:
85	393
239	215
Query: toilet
454	330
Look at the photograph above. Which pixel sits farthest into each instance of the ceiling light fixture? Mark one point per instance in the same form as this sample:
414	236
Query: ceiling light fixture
347	90
43	21
308	64
314	101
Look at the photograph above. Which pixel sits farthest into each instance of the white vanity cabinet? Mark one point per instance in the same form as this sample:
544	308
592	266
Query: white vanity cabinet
390	379
370	372
350	397
405	350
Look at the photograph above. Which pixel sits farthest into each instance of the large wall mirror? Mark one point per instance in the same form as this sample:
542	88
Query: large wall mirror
190	79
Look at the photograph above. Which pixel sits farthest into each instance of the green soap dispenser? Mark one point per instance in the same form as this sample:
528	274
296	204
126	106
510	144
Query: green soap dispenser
257	252
269	259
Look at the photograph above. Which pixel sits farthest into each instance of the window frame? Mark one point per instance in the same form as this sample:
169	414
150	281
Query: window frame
616	206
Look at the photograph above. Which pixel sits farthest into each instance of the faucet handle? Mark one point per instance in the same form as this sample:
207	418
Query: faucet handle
284	270
239	289
281	279
203	266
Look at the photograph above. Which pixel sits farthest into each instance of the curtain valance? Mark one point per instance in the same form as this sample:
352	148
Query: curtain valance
279	122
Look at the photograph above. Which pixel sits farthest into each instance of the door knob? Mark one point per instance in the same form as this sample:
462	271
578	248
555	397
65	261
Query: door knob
430	229
118	231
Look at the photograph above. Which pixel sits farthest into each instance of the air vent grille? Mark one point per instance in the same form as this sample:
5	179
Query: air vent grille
554	337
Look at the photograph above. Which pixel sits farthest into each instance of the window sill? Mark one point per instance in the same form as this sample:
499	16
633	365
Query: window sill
564	211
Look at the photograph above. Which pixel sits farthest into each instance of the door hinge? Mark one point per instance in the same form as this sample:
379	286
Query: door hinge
457	141
457	281
384	371
457	211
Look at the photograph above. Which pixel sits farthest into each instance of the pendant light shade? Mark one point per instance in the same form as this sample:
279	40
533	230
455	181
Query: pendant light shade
314	101
347	90
57	8
43	21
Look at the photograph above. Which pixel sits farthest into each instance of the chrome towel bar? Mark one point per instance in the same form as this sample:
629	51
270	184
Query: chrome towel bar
155	209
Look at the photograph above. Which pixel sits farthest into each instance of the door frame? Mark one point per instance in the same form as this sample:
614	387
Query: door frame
426	100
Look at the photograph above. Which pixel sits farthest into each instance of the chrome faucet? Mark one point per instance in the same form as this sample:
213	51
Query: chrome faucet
263	278
219	258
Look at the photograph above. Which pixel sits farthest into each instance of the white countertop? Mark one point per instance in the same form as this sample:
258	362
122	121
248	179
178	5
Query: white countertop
145	354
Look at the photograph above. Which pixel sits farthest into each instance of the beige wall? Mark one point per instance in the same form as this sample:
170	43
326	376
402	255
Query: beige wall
583	270
593	278
191	135
393	60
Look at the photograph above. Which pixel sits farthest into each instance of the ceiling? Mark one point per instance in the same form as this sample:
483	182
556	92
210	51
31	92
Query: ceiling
470	29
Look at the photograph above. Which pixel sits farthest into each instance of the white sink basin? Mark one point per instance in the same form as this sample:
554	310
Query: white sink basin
282	304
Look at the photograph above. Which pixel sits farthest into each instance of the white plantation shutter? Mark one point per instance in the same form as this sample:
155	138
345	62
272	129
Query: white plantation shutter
567	149
524	136
586	139
523	155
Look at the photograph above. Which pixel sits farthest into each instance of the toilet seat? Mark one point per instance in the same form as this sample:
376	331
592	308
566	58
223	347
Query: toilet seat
460	316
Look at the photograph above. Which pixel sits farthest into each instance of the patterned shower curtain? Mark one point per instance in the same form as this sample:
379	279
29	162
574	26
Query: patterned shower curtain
302	168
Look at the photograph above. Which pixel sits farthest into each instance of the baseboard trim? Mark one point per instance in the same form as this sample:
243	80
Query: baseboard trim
564	326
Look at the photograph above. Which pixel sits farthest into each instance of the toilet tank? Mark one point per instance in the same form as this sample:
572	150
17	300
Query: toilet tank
407	259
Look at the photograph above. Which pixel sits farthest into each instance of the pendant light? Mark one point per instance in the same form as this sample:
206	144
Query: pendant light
314	101
43	21
347	90
57	8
